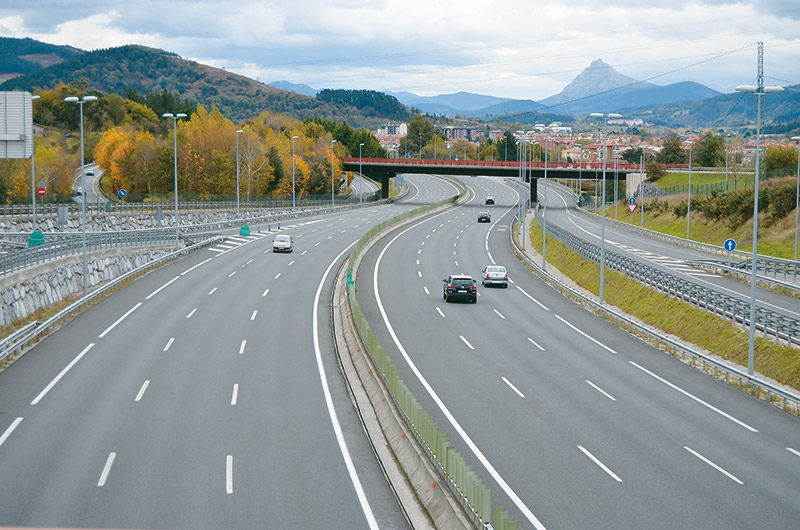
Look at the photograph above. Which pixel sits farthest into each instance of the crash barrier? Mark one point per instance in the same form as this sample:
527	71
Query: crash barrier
787	400
13	346
462	481
769	322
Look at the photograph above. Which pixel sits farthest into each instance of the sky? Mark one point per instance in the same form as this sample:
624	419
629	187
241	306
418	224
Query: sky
505	48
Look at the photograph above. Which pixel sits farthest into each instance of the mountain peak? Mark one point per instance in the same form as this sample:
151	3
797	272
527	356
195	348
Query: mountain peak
597	78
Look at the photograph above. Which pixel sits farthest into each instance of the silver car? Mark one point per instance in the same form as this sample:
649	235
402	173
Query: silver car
282	243
494	275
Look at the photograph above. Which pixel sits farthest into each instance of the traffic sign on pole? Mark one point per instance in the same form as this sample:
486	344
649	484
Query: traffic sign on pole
730	245
41	192
632	200
632	206
122	193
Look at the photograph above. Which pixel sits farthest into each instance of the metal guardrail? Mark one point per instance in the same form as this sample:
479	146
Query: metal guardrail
167	206
718	267
761	388
766	265
10	347
767	321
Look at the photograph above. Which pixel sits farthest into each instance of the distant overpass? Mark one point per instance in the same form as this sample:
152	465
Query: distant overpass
382	169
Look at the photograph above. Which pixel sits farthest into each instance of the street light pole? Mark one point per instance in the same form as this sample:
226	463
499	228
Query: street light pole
238	132
689	201
175	118
603	200
759	91
80	102
360	195
332	142
293	187
797	197
33	172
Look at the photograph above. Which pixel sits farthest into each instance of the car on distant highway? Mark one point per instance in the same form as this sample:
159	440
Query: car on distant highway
494	275
484	217
79	190
459	287
489	200
282	243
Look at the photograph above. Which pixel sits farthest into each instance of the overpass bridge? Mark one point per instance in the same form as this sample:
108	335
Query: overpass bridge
382	169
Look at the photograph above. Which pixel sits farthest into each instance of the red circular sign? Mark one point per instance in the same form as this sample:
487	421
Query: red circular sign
41	191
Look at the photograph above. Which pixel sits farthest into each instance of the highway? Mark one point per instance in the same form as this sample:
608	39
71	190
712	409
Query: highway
204	395
572	422
667	257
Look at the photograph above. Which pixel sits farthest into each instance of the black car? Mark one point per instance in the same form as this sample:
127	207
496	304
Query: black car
484	217
460	286
489	200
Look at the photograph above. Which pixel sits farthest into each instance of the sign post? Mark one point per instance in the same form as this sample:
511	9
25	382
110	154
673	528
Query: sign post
730	246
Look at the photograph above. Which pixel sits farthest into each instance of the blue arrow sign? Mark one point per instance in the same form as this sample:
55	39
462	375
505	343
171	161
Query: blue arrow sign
122	193
632	200
730	245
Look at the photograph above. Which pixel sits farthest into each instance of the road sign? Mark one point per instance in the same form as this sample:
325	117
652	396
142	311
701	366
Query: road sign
632	206
730	245
122	193
41	192
632	200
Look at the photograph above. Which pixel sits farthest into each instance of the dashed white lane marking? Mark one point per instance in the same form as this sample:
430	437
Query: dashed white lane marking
277	276
795	451
151	295
419	273
120	319
106	470
440	312
515	389
191	313
253	316
231	274
265	293
169	343
235	395
606	394
470	346
426	290
712	464
141	390
243	346
212	290
535	343
599	464
229	474
499	314
532	298
7	433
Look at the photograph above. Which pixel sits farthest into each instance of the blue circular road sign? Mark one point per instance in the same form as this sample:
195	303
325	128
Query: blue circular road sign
730	245
632	200
122	193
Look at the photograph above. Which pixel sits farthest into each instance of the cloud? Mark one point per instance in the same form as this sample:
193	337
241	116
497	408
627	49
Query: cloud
510	48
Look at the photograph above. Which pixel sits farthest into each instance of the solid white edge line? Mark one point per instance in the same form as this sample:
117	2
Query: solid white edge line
229	474
470	346
440	312
337	428
535	343
599	464
187	271
532	298
241	348
439	403
715	466
169	343
499	314
515	389
151	295
57	378
235	395
697	399
141	390
10	429
106	469
120	319
606	394
586	335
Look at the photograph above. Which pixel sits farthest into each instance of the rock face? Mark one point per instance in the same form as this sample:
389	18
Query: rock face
23	294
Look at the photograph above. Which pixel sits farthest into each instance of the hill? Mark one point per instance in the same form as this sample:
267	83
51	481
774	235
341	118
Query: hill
148	70
21	56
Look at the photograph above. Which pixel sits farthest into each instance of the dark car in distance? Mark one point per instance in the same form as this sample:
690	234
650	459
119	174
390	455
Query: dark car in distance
489	200
460	287
484	217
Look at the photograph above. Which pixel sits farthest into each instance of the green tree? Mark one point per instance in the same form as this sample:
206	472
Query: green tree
710	150
506	147
671	151
633	156
781	159
420	133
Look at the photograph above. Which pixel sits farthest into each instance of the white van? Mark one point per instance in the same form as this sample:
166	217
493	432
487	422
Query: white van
282	243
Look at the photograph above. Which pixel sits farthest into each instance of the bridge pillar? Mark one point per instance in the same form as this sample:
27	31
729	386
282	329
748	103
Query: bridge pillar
532	198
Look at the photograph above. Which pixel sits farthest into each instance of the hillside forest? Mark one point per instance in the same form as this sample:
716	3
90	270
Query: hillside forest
131	141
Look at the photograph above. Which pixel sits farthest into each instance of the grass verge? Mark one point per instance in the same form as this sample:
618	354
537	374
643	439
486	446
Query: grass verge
673	316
